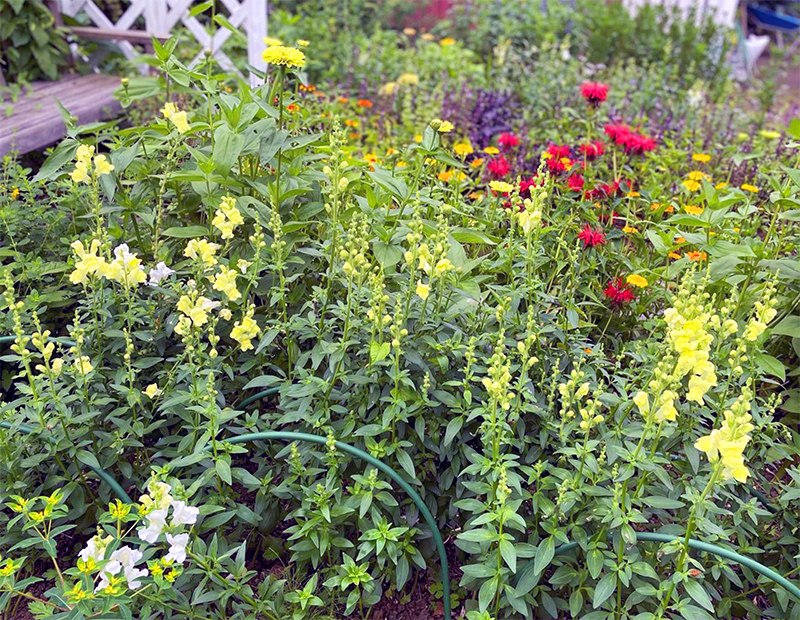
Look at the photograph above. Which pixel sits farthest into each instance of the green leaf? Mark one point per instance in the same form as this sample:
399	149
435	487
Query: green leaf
788	326
453	427
201	8
51	168
224	471
227	147
770	365
509	554
467	235
594	561
478	535
604	589
186	232
486	593
699	594
378	351
544	554
663	502
87	458
406	463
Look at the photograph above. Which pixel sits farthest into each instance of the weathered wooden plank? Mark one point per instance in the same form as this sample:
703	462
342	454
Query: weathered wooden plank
45	126
67	94
104	34
43	90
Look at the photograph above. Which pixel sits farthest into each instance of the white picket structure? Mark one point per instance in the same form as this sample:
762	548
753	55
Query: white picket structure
161	16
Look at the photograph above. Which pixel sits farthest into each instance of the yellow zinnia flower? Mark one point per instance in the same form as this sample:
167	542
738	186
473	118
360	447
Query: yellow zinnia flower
692	186
501	187
701	157
693	209
491	150
446	41
749	188
636	280
463	148
283	56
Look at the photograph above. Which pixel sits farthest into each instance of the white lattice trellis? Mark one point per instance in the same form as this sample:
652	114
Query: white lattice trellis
161	16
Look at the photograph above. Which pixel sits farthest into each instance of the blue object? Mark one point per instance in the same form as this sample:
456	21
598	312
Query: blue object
773	20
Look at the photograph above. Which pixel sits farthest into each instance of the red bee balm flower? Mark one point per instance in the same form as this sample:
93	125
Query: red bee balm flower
591	238
595	93
525	186
633	143
619	293
594	149
498	167
508	141
575	183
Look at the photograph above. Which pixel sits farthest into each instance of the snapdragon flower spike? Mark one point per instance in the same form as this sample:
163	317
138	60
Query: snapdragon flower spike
177	547
183	514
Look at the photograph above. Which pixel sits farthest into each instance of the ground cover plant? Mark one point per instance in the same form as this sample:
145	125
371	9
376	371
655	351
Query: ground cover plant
564	314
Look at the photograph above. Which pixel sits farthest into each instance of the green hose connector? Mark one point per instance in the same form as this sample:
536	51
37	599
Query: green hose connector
396	477
115	486
775	576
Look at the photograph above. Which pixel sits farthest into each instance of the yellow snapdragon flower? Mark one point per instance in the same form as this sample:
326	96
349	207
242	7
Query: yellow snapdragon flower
90	262
423	290
245	330
729	441
203	250
225	282
227	217
197	310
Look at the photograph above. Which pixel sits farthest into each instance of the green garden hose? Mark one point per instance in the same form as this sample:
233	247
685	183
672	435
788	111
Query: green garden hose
700	546
344	447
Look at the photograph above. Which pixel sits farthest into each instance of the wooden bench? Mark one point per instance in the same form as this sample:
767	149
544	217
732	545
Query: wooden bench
35	120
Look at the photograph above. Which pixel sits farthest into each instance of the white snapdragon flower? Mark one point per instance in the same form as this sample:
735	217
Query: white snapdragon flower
177	547
95	549
156	522
159	272
183	514
123	559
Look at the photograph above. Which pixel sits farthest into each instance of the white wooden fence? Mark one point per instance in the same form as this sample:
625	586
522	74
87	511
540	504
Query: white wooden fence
161	16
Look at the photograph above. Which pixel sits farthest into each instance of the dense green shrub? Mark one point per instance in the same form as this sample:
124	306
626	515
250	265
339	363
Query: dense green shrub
31	46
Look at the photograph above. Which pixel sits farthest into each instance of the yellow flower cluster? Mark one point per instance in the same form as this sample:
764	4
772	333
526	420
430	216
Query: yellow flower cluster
245	330
225	282
178	117
408	79
195	312
729	441
501	187
764	313
665	407
529	217
227	217
203	250
687	333
126	268
83	164
283	56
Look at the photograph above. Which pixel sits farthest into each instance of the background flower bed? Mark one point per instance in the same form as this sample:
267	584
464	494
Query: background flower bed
478	301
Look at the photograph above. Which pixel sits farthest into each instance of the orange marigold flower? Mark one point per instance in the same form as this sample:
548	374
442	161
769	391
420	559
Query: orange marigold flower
364	103
445	175
697	256
476	163
351	122
674	255
680	240
632	195
630	230
342	99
